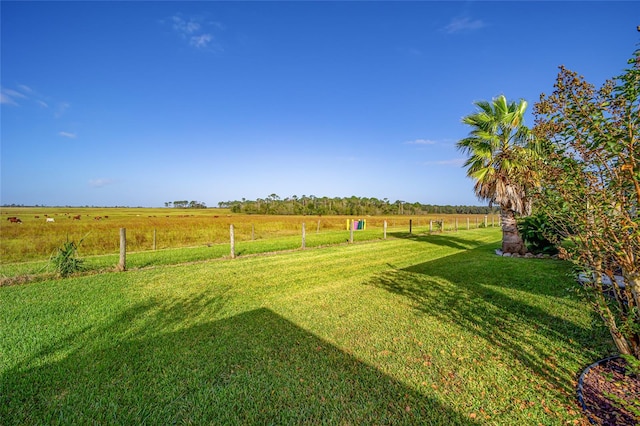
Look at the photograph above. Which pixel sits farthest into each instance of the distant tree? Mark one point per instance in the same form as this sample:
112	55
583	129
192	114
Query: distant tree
197	205
499	149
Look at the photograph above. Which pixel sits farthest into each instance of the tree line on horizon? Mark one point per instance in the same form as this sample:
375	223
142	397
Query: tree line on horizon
350	206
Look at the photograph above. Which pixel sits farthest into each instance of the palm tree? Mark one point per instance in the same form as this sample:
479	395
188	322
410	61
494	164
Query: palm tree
499	146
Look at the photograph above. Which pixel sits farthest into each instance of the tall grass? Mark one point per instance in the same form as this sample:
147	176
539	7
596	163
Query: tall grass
413	330
65	260
36	239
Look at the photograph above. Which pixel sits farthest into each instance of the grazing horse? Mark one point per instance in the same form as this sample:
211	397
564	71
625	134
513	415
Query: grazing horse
76	217
50	220
14	219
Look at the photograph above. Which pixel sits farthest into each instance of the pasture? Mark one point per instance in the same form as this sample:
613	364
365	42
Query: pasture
420	329
98	228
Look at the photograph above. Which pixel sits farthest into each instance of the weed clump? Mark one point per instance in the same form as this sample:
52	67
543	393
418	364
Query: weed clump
65	259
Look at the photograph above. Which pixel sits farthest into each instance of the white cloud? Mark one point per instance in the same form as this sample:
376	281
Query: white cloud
68	135
25	88
196	32
100	182
201	41
14	93
6	99
9	96
27	94
184	27
464	24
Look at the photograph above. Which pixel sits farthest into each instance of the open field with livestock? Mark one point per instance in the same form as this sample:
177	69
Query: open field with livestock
415	329
35	238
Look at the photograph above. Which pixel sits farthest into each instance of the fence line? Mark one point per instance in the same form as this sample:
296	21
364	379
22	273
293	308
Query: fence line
441	227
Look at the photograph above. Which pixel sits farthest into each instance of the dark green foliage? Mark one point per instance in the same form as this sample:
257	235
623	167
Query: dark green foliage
184	204
65	259
312	205
536	231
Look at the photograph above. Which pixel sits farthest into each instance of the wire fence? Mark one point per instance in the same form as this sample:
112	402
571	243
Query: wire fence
154	241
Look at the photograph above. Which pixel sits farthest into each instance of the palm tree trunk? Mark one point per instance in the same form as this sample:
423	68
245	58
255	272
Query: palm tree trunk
511	239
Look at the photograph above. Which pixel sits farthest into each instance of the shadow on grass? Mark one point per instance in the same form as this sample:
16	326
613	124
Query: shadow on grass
445	240
516	305
254	368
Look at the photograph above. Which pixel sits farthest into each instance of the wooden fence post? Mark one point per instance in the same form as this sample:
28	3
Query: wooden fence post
468	224
253	232
485	220
304	236
410	226
430	226
351	233
456	224
385	229
233	242
122	264
154	239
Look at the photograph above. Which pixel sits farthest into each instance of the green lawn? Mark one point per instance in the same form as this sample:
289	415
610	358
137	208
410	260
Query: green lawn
420	330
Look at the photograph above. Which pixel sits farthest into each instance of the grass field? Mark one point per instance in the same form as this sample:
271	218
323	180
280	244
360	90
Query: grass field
36	239
423	329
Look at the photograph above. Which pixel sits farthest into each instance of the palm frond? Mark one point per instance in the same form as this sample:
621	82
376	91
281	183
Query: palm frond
499	149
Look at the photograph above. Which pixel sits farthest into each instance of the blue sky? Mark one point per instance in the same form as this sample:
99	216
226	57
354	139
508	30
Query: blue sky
139	103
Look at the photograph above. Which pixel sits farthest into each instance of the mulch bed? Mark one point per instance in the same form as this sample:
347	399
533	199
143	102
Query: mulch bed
608	378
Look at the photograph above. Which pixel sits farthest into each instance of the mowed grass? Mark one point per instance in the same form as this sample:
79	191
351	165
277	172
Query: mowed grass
414	330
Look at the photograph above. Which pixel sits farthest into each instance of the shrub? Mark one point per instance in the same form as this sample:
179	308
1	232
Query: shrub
536	231
590	186
65	259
